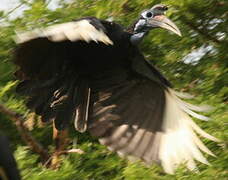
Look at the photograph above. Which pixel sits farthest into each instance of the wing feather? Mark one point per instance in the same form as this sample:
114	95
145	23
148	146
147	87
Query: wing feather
147	122
73	31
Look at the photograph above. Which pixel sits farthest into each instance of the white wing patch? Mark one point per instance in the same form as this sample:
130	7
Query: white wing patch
179	142
176	144
73	31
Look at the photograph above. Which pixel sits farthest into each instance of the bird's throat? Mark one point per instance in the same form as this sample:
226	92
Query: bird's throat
136	38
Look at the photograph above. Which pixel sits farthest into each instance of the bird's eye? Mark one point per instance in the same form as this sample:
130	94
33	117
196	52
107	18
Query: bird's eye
149	14
165	8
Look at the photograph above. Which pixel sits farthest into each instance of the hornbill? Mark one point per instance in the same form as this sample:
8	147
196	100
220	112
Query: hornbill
8	166
91	72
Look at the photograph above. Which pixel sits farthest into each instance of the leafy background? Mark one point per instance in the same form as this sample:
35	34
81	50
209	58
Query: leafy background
195	63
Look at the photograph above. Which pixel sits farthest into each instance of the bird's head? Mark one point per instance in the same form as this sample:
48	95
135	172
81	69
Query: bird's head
150	19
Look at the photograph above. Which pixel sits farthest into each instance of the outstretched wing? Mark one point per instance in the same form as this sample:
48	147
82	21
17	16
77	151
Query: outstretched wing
143	119
52	68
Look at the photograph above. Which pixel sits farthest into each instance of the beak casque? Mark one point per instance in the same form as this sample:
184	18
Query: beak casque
163	22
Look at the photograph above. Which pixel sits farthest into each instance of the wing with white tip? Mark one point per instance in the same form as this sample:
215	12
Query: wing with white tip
142	119
72	31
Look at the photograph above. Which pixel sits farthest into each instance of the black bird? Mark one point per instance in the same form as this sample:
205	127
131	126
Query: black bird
91	72
8	166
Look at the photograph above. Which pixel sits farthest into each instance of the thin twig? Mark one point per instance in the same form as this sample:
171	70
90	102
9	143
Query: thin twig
12	10
201	31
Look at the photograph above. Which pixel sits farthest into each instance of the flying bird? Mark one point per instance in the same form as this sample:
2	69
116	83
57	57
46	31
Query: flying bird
90	72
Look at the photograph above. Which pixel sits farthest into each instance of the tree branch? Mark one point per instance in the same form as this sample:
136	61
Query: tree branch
24	133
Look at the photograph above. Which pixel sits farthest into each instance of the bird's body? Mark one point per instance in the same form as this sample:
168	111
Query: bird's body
82	65
91	72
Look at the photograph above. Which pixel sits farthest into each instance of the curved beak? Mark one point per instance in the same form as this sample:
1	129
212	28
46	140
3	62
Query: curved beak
163	22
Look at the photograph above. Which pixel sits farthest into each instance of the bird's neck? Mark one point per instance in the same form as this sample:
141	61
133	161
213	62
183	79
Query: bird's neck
138	31
136	38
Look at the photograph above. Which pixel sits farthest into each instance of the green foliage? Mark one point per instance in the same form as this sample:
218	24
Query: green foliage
203	24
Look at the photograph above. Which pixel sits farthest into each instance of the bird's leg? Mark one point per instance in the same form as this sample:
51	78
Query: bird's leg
61	141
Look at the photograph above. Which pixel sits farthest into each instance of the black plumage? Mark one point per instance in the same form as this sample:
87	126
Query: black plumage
92	73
